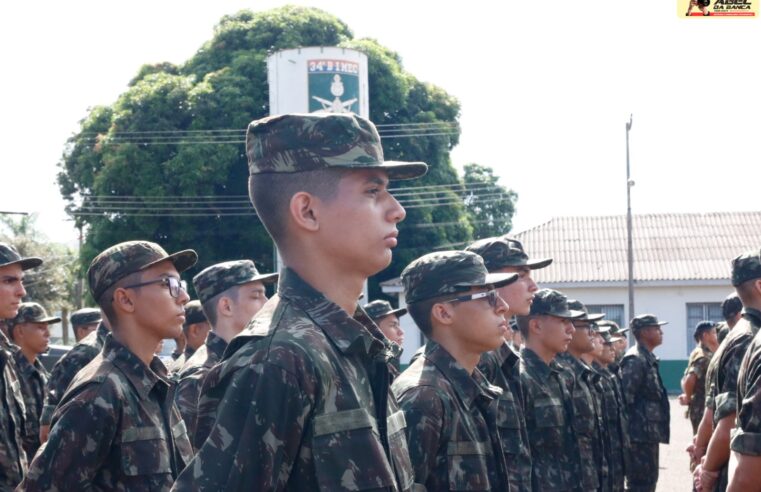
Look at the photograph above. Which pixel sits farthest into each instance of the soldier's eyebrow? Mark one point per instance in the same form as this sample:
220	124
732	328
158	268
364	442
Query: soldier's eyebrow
13	277
377	180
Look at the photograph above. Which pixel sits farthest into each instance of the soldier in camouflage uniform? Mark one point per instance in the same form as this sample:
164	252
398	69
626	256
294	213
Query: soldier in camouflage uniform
116	427
616	423
66	368
84	321
302	398
231	293
587	405
13	460
447	402
387	319
548	405
694	380
31	333
731	310
194	331
746	436
501	367
646	402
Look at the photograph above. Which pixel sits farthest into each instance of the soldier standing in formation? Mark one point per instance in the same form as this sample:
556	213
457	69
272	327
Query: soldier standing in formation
447	403
694	381
304	391
30	331
84	321
194	332
231	293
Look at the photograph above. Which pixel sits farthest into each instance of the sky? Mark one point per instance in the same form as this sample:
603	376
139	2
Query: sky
546	89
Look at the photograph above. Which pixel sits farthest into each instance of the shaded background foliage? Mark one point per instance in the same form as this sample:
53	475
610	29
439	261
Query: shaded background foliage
224	86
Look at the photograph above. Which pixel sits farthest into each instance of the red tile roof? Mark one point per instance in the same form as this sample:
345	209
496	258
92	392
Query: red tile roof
666	246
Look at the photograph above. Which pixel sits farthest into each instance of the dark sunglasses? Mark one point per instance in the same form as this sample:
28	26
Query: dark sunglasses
174	284
491	296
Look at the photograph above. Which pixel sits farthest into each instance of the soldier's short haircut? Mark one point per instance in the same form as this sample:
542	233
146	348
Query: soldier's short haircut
210	306
271	194
106	299
420	312
702	328
731	306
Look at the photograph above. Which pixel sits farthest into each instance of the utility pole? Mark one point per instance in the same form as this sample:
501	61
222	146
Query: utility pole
629	244
79	288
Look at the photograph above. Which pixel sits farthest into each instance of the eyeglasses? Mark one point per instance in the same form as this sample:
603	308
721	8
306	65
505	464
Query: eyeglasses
174	284
491	296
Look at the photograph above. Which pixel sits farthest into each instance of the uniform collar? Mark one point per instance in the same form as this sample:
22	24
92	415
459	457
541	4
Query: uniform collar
215	344
351	335
578	366
469	388
753	315
508	357
538	366
142	378
101	333
649	356
26	368
189	351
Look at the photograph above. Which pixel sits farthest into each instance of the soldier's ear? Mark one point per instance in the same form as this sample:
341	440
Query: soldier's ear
123	300
441	313
302	211
225	307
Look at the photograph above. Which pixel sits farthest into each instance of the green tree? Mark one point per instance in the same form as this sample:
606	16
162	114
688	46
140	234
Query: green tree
490	206
123	171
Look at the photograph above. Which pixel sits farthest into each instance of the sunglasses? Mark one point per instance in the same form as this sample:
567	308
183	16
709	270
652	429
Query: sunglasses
175	285
491	296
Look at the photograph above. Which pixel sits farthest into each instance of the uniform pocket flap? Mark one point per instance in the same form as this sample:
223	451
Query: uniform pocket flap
142	434
345	420
460	448
396	422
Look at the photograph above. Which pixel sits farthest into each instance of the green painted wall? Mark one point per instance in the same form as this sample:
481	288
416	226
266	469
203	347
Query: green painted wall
671	373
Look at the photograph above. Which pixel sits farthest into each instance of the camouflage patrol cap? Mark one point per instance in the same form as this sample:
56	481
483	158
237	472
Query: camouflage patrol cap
292	143
129	257
549	302
31	312
85	316
193	313
746	267
612	326
579	306
448	272
645	320
10	256
218	278
380	309
503	251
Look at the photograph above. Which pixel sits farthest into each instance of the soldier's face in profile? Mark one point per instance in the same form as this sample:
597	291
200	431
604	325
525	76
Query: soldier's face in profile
155	309
652	335
710	338
478	325
357	227
11	290
247	301
32	337
582	337
554	333
520	293
607	354
391	328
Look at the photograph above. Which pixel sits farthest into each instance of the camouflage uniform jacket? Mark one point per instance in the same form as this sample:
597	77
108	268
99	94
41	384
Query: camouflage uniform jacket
698	365
548	412
68	366
451	424
301	401
394	365
32	378
616	429
177	364
587	420
646	400
191	379
746	437
116	428
502	369
13	461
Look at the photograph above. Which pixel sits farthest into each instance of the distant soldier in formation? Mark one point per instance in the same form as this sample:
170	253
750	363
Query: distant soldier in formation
304	397
67	367
13	460
84	321
646	402
30	331
731	310
448	404
694	379
116	427
548	405
194	332
387	319
231	293
502	366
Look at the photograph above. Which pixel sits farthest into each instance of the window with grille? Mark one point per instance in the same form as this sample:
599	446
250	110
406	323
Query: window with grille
613	312
697	312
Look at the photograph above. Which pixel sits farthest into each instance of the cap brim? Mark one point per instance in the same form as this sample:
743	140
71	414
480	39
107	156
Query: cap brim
404	170
570	314
266	278
182	260
537	264
399	312
622	330
492	279
50	320
594	317
616	338
26	263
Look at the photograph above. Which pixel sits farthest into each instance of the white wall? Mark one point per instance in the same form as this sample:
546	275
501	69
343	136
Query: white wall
668	303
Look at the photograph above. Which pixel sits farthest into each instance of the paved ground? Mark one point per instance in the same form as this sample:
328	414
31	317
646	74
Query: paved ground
674	470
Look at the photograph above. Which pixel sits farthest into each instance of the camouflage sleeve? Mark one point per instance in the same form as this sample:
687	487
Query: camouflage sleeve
424	413
83	431
697	366
725	401
60	377
746	437
256	436
186	398
632	377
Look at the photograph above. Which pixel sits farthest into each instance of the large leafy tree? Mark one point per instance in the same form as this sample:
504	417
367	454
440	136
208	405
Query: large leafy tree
161	163
490	206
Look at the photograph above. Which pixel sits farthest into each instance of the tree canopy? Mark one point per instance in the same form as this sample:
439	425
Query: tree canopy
165	162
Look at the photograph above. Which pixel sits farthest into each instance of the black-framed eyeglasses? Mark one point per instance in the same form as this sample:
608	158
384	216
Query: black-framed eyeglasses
491	296
174	284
